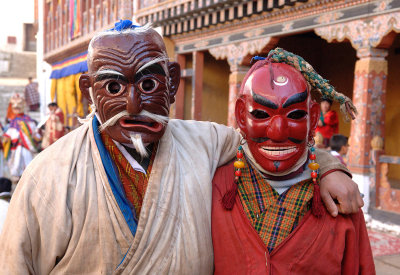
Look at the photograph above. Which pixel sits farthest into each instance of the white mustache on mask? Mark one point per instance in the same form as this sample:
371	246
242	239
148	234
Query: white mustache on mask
111	121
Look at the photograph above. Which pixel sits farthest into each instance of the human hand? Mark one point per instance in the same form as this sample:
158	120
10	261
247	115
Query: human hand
340	187
320	123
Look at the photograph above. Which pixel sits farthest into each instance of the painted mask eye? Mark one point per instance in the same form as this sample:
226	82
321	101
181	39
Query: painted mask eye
299	114
259	114
114	87
148	85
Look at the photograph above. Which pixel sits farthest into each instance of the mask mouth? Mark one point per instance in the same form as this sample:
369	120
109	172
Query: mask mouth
140	124
280	152
129	121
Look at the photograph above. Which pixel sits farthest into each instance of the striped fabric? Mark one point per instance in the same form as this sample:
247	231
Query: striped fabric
272	215
134	182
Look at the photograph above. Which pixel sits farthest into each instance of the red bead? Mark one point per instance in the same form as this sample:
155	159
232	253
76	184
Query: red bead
239	155
238	173
314	175
312	157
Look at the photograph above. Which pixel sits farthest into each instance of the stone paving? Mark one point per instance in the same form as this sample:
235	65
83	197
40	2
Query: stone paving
387	265
386	251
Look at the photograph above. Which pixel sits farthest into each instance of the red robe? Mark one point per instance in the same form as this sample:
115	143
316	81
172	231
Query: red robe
331	126
54	129
323	245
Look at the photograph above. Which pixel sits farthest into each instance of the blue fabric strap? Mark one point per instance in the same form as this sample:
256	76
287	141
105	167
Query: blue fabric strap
114	180
123	25
256	58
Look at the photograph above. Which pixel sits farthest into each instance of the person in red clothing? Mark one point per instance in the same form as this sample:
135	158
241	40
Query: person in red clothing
267	216
54	127
328	123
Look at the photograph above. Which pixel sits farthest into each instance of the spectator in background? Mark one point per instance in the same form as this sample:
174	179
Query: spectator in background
328	123
54	128
339	146
5	196
32	97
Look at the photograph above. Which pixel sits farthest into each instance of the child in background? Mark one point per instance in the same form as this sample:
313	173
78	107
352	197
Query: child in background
339	146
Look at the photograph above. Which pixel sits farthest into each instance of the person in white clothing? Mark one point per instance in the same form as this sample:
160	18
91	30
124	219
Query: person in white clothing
5	196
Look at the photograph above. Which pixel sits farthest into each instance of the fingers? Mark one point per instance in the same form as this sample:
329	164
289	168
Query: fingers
360	201
351	201
345	204
339	186
329	203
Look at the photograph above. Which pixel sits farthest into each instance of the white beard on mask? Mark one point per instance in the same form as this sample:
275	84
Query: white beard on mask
138	144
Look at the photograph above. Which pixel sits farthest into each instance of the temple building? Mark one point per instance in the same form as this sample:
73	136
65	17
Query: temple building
354	44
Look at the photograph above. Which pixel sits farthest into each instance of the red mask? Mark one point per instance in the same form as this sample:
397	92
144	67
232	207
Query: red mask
119	83
276	115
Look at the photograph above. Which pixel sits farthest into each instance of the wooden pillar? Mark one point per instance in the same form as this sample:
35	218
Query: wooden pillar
370	79
197	84
126	9
180	95
235	81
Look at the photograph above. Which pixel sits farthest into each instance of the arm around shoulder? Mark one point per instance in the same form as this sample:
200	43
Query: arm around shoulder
225	143
336	184
328	163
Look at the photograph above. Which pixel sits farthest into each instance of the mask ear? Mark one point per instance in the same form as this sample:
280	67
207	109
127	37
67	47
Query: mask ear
84	85
175	77
315	112
240	114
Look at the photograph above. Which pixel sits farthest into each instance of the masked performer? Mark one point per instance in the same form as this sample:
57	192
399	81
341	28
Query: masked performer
128	191
267	217
20	139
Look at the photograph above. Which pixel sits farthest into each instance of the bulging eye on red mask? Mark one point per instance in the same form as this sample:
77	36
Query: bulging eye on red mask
276	115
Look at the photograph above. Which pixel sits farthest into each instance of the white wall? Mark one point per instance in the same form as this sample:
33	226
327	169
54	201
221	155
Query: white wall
43	69
13	15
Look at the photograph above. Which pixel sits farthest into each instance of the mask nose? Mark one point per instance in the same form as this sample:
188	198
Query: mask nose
133	101
278	129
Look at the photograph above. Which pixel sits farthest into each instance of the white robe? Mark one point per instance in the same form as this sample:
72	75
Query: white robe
21	155
3	212
64	219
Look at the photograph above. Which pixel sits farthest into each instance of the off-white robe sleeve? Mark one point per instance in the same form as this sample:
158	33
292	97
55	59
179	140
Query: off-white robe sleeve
328	162
225	142
34	236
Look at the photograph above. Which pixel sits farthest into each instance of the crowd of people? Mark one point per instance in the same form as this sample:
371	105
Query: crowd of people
131	191
22	138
